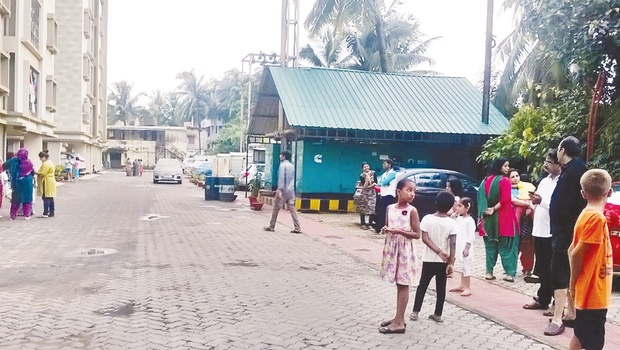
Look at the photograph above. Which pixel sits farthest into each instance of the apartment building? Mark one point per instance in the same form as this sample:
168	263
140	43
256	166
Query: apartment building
81	76
28	91
53	68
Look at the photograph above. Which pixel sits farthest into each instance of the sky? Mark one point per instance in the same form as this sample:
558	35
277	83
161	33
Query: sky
150	41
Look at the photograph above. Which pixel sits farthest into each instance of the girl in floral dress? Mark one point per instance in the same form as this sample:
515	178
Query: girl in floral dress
399	259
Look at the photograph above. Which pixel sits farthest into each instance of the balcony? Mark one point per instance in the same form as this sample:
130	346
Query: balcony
51	94
52	34
4	73
86	68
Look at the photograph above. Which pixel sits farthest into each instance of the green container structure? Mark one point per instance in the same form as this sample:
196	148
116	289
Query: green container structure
227	189
212	188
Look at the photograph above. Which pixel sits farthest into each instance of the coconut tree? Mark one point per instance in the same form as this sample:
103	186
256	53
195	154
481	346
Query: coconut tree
341	14
122	103
330	51
404	42
194	97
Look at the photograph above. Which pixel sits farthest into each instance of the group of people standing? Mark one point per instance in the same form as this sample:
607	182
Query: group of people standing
570	244
560	223
374	194
23	180
134	168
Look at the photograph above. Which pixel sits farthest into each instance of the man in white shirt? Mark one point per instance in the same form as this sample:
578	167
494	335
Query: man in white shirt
541	232
285	193
387	182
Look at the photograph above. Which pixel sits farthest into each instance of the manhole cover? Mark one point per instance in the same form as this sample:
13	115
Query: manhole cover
125	309
242	263
94	252
149	217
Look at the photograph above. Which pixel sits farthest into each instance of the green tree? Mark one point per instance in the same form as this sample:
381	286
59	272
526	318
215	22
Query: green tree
194	98
404	41
122	103
331	52
343	13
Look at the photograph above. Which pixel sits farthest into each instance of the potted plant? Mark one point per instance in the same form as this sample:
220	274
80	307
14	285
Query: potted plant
59	172
255	185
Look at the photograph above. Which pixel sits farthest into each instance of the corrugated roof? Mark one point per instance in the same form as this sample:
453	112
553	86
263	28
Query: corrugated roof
345	99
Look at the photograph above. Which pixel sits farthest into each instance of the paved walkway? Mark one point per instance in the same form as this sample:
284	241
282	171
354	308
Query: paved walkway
497	300
126	264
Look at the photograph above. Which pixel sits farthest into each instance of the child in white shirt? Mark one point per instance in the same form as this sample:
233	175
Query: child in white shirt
439	234
464	244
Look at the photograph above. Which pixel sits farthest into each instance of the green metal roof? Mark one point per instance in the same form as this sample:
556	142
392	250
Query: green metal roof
345	99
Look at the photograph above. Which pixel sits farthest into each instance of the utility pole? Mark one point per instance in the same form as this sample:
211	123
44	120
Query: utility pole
289	51
486	90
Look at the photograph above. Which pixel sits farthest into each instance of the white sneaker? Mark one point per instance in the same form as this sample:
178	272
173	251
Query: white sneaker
27	218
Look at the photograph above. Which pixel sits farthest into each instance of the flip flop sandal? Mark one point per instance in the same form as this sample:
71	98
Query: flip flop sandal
535	306
387	323
413	317
269	229
385	330
548	313
296	231
490	278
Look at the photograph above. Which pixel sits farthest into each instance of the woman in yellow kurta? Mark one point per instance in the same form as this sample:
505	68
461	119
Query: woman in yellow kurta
46	184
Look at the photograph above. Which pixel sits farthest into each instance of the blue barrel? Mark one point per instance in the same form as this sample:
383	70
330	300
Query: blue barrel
227	188
212	188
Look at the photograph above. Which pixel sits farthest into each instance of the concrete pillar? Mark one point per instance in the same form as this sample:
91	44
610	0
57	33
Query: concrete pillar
34	144
54	149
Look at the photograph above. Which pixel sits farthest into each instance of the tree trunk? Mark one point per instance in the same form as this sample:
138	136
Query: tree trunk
381	41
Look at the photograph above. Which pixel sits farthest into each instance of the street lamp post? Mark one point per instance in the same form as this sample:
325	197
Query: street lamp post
251	59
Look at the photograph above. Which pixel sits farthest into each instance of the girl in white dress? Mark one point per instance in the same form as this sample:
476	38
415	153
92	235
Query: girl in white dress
464	244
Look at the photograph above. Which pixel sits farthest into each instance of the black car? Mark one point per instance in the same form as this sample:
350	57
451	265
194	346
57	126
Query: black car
429	182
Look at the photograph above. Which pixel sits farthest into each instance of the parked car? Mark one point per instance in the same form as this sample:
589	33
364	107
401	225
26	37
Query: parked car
203	168
612	213
246	178
168	170
429	182
190	162
76	157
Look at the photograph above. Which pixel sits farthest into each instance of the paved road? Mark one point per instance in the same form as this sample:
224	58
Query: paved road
349	223
168	270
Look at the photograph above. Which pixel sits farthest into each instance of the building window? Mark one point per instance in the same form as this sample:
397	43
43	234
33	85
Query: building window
35	18
52	34
191	139
33	91
5	8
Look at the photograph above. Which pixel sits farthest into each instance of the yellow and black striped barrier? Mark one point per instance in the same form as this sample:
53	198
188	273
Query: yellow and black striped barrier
319	205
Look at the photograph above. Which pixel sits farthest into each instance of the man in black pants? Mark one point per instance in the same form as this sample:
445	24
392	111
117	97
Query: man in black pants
541	233
387	182
566	205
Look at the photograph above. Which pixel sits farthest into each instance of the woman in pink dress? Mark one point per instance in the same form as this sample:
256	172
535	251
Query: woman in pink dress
500	226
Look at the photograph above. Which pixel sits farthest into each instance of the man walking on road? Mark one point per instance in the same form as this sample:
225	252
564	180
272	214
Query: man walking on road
541	232
285	192
566	205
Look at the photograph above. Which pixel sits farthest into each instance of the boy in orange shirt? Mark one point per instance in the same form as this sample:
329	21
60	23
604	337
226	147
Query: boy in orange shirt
591	264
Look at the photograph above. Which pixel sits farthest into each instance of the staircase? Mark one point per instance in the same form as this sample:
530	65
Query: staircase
170	152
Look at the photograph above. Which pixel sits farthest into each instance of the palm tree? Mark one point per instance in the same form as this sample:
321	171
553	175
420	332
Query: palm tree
123	106
404	45
531	73
343	13
330	54
195	100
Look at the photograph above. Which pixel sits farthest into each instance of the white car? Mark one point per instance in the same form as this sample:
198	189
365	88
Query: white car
76	157
247	177
191	162
168	170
